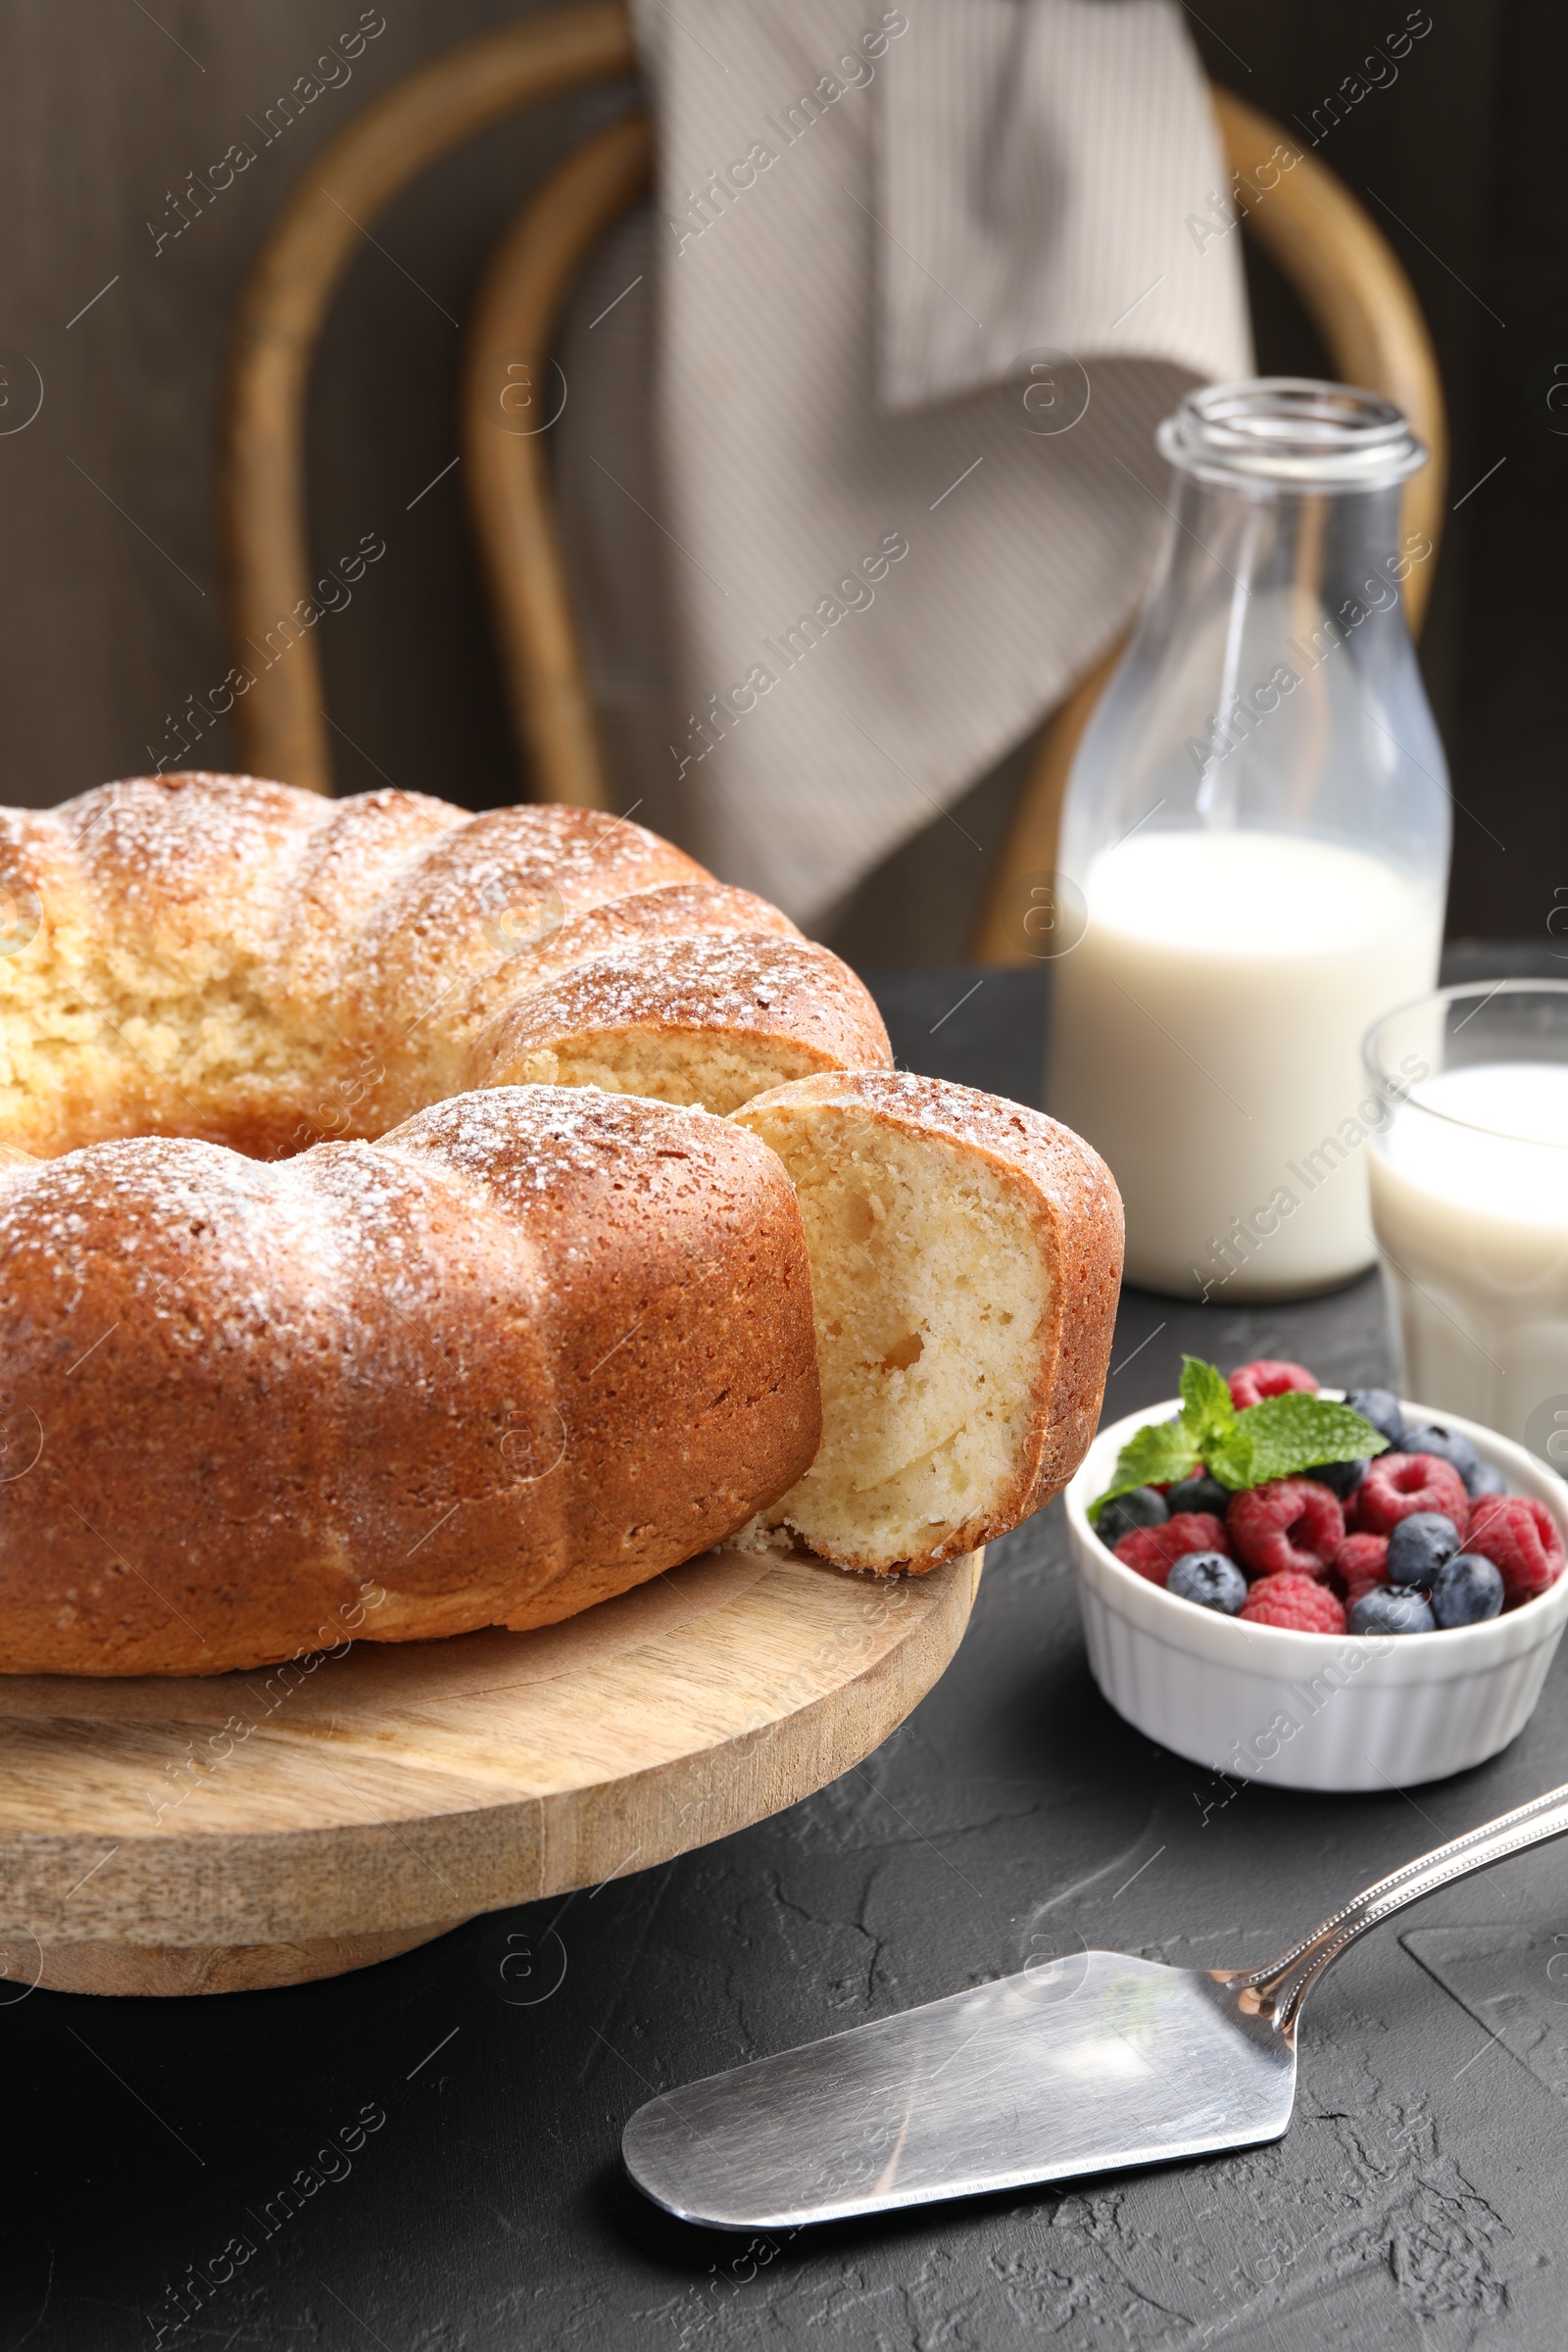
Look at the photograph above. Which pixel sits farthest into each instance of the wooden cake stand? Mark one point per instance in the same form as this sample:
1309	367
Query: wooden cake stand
217	1834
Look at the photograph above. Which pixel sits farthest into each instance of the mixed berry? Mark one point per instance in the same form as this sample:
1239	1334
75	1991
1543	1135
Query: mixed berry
1399	1529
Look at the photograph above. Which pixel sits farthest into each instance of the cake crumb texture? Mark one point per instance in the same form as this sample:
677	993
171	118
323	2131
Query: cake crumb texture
965	1258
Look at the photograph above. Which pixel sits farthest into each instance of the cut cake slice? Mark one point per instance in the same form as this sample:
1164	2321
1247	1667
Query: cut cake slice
965	1258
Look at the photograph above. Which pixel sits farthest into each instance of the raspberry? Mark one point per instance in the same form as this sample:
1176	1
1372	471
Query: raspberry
1291	1527
1522	1540
1399	1484
1361	1563
1251	1382
1153	1551
1299	1603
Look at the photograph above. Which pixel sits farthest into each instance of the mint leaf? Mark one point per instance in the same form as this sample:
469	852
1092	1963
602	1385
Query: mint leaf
1163	1452
1153	1456
1277	1438
1207	1405
1229	1456
1288	1433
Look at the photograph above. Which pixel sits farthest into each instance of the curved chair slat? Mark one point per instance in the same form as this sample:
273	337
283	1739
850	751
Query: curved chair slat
1349	281
507	468
285	299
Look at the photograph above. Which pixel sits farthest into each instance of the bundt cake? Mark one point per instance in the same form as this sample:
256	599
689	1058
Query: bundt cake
376	1258
222	957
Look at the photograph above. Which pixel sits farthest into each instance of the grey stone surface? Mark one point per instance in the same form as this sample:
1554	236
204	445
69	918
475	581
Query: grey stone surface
1416	2202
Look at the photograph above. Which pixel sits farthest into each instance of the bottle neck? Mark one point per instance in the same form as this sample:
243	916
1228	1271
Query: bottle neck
1271	683
1305	557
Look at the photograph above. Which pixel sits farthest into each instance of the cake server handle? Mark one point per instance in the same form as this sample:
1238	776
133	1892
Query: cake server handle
1278	1991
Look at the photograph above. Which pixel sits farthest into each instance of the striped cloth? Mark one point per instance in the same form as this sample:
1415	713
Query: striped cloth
881	534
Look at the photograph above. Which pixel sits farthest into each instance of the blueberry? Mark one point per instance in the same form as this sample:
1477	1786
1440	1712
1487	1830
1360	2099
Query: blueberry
1341	1478
1384	1611
1466	1590
1209	1578
1381	1407
1418	1548
1143	1507
1199	1493
1486	1481
1429	1437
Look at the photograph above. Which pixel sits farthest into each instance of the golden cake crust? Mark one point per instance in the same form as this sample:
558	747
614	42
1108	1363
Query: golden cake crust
229	958
527	1350
708	1012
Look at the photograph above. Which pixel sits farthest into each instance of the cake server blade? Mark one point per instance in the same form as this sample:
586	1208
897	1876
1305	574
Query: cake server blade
1091	2064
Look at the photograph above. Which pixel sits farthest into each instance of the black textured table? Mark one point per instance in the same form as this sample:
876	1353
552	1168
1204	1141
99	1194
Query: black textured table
450	2150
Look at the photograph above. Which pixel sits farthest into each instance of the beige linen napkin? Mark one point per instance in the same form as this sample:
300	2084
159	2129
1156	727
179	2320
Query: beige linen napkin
841	534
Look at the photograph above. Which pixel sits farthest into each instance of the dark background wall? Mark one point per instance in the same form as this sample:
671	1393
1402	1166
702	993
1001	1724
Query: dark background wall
1459	162
112	606
110	595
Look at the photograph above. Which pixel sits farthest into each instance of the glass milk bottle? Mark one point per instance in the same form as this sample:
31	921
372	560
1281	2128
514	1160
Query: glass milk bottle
1257	821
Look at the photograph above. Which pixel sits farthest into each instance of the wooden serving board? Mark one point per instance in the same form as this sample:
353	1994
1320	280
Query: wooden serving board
222	1833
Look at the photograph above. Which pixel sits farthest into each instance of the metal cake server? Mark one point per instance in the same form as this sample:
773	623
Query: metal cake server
1089	2065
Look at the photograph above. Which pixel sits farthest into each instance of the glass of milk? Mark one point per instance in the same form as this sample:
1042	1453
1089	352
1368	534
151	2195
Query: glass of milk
1469	1170
1257	827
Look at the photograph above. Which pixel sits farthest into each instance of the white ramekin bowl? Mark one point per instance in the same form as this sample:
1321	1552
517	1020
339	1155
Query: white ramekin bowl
1328	1711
